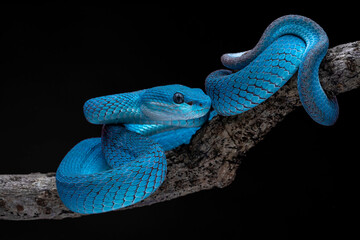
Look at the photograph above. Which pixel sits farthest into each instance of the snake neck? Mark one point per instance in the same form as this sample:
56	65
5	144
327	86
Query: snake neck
116	108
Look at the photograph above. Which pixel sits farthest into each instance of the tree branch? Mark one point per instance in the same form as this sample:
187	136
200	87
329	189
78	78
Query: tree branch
209	161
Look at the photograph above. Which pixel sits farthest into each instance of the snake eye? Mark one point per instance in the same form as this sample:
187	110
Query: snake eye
178	98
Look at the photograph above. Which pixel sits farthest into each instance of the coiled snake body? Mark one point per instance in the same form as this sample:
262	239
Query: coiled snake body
128	163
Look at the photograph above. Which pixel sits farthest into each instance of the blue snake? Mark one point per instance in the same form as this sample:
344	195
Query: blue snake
128	163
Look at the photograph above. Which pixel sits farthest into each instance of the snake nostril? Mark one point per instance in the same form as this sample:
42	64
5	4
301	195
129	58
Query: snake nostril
190	103
200	104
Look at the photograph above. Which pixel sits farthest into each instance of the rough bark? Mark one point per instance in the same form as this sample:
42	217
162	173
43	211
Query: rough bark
209	161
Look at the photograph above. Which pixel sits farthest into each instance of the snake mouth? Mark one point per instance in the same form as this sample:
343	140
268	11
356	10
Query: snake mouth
192	111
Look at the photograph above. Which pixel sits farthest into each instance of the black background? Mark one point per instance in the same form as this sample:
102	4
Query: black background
55	57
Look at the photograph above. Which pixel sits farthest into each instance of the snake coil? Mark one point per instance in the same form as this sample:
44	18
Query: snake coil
128	163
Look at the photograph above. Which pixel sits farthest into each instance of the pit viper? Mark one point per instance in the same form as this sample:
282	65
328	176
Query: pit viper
127	164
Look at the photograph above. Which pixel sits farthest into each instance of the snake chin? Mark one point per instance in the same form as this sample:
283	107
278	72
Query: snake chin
157	103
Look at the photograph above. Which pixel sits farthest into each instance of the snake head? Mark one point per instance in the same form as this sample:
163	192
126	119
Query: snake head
174	102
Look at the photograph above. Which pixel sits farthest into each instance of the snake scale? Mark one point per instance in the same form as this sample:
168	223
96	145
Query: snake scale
128	163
